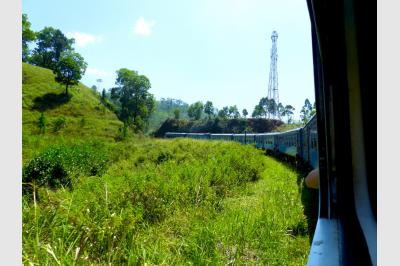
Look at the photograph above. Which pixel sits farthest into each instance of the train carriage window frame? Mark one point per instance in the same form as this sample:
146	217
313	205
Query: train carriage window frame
343	34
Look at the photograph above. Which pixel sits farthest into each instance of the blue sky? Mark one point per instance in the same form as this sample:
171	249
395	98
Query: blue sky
216	50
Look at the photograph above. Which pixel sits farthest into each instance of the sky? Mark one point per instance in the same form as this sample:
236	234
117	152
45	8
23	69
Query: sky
192	50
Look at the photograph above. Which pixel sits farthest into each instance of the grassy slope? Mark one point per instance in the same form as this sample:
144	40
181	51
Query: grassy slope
160	202
173	202
40	93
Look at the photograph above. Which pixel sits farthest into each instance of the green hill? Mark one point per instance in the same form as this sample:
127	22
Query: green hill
85	116
90	200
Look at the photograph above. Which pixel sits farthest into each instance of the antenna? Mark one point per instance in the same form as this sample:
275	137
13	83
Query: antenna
273	74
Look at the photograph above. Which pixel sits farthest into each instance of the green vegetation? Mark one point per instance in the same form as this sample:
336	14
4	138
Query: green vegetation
50	44
42	95
170	202
307	111
166	108
217	125
132	92
69	69
27	36
94	193
286	127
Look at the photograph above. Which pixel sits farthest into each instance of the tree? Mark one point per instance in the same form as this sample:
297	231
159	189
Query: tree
280	110
51	43
223	113
177	113
234	112
70	69
195	110
209	109
258	111
103	94
132	93
94	88
42	123
313	110
289	112
245	113
305	112
271	107
27	36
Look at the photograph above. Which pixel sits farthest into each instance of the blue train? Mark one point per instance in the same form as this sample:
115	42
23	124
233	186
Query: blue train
297	143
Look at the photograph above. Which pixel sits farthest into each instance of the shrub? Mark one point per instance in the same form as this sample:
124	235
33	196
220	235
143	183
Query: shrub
42	123
122	132
58	166
59	123
82	122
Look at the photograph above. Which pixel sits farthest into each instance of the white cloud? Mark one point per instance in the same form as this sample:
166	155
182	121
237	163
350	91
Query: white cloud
143	27
83	39
98	73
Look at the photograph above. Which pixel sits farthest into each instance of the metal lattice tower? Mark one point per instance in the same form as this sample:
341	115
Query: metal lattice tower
273	72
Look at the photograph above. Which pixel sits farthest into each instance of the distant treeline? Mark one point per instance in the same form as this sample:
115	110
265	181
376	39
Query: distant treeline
217	125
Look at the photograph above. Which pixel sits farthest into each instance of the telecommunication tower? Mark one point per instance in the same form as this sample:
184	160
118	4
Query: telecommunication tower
273	73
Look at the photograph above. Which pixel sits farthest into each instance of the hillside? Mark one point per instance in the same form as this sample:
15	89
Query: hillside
164	110
85	116
91	200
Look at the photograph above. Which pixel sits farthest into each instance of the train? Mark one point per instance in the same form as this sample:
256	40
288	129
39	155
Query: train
300	143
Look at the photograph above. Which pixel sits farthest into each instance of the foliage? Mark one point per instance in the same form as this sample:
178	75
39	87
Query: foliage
123	132
288	112
209	109
195	110
177	113
245	113
59	123
42	124
38	83
132	92
166	108
307	111
172	202
51	43
57	166
27	36
217	125
224	113
69	69
233	112
258	111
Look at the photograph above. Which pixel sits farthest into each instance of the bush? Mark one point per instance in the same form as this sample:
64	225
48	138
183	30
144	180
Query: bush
123	133
58	166
59	123
42	124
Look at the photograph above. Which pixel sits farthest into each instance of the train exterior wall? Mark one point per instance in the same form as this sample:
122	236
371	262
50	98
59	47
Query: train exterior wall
300	142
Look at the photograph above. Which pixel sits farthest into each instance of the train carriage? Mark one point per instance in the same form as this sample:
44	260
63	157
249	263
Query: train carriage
299	142
227	137
288	142
198	135
175	135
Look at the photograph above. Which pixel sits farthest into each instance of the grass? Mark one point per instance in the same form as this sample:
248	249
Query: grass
172	202
153	202
85	116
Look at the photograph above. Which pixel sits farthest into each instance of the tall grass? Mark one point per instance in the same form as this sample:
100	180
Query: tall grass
139	201
173	203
